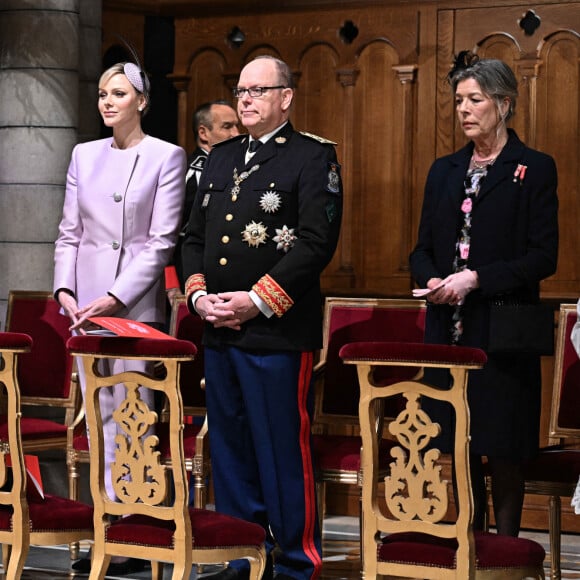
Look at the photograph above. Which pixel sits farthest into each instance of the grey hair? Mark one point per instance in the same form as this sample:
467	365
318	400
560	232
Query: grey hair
285	76
495	78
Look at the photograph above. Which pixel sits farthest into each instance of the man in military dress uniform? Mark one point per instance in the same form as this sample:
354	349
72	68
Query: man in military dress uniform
264	225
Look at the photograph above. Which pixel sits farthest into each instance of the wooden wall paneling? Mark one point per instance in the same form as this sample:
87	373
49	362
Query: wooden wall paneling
558	133
345	277
380	147
446	118
319	97
129	25
206	83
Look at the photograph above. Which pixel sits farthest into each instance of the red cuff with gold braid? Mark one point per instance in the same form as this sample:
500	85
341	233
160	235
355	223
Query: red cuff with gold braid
194	283
273	295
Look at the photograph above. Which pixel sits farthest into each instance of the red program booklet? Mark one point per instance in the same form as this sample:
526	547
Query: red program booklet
113	326
34	488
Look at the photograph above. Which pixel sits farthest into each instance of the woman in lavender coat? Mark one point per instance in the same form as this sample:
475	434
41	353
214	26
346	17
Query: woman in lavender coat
121	216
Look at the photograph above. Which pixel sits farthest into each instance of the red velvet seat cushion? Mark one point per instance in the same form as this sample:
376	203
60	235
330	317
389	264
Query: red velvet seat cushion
493	550
556	465
209	529
190	432
342	452
81	442
53	514
33	428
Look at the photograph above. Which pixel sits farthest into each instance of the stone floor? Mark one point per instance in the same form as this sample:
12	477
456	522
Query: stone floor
341	556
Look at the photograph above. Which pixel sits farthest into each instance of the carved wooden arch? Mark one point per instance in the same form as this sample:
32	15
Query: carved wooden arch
203	81
383	156
323	107
558	133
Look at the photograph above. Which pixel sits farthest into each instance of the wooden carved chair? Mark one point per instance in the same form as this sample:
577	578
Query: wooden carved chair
187	326
555	471
151	519
183	325
28	520
337	455
45	374
408	532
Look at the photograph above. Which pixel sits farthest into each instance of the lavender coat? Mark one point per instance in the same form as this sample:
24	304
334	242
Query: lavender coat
121	217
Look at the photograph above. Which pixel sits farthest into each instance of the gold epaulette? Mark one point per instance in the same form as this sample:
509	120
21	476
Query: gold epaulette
317	138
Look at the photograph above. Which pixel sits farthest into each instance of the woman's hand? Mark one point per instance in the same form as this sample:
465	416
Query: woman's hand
457	286
103	306
69	304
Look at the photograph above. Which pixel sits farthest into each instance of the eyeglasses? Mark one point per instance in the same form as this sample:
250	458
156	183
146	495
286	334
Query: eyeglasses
254	91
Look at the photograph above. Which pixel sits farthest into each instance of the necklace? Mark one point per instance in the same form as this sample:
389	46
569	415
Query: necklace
483	163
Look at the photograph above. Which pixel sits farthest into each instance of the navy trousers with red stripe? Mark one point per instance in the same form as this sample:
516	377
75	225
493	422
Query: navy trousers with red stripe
259	415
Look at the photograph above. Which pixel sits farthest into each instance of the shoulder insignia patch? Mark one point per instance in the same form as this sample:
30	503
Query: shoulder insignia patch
198	162
317	138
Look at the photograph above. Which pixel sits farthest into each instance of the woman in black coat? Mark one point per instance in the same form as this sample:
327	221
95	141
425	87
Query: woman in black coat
489	232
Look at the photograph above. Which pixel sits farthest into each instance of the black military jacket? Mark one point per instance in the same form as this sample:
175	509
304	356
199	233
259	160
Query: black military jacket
271	226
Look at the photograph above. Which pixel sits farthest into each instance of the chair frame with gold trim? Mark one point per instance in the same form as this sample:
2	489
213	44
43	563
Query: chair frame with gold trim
43	522
408	531
186	326
555	471
337	431
48	358
151	519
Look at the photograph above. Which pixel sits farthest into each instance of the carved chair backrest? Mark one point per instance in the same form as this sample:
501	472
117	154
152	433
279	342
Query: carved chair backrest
565	417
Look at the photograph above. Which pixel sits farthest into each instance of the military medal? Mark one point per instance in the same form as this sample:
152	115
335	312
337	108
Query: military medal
235	191
270	202
254	234
284	238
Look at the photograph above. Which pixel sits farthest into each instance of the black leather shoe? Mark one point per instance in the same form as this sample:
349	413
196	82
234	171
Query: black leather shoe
229	574
244	574
130	566
82	565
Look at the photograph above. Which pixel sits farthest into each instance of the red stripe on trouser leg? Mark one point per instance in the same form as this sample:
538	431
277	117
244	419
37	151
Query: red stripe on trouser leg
309	483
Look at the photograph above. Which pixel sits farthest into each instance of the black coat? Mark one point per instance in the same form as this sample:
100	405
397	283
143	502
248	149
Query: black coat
300	177
514	245
195	163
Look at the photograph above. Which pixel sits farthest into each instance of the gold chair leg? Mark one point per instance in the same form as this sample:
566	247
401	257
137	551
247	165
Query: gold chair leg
555	528
321	502
73	493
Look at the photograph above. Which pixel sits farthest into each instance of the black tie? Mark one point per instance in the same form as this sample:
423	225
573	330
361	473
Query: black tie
255	144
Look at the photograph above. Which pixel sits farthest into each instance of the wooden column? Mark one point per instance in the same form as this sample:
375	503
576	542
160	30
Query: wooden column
406	75
527	69
181	83
347	78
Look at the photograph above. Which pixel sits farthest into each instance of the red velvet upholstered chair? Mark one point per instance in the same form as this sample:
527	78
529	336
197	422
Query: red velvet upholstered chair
151	519
48	386
187	326
408	532
337	454
555	471
28	519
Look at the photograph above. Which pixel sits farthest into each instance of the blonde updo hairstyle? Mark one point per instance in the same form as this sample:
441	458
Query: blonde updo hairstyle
135	76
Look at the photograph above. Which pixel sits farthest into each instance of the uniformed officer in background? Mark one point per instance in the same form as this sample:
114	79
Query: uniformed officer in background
212	122
264	225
